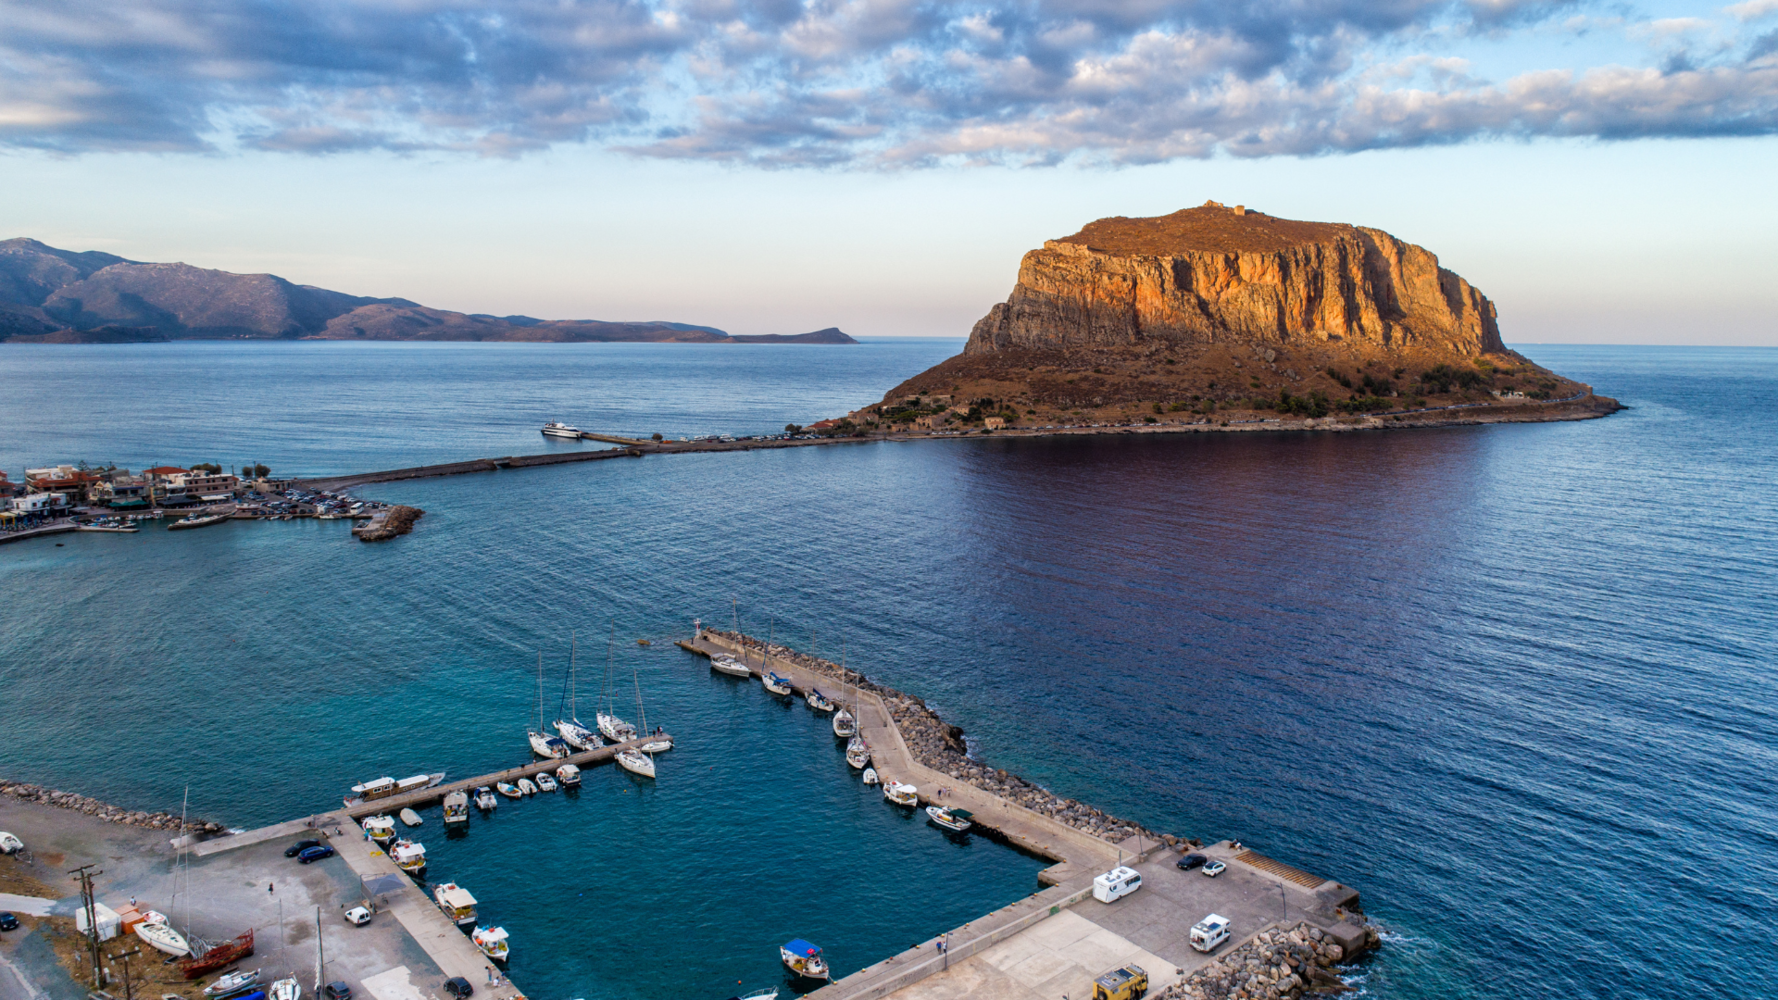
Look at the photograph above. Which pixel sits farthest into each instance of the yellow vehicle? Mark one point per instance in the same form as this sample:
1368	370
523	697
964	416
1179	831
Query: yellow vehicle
1127	983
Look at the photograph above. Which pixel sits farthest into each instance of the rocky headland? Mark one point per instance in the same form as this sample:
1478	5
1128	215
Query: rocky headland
1219	314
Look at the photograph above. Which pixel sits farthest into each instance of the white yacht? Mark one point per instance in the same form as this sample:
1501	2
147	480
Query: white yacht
493	942
578	736
545	783
636	762
456	902
726	664
557	429
818	701
162	937
858	753
844	725
548	747
901	794
616	729
568	775
776	684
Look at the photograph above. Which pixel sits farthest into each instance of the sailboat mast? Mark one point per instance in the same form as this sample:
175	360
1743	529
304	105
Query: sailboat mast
320	961
573	688
540	690
641	716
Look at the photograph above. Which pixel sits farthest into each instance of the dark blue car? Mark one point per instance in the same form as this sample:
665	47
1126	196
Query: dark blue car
315	854
8	921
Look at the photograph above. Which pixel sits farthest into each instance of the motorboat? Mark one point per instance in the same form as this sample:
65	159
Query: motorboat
527	786
858	753
723	663
285	989
548	747
200	520
578	736
657	743
493	942
162	937
370	791
409	856
870	776
486	799
769	993
776	684
803	959
901	794
615	729
844	725
456	808
417	782
557	429
511	791
456	902
233	982
410	818
636	762
955	820
568	775
818	701
380	828
545	783
10	844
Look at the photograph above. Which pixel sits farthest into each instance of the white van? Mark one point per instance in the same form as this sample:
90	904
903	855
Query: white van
1116	884
1210	932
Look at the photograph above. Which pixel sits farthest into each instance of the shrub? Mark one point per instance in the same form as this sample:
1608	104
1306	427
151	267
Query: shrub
1334	374
1312	405
1440	378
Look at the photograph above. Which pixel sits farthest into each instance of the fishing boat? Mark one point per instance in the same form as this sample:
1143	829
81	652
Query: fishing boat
511	791
545	783
636	762
615	729
858	753
557	429
493	942
776	684
870	776
456	903
10	844
456	808
568	775
803	959
955	820
723	663
410	818
217	957
527	786
233	982
485	798
162	937
380	828
409	856
818	701
285	989
569	727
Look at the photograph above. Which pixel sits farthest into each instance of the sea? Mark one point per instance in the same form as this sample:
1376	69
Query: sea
1515	683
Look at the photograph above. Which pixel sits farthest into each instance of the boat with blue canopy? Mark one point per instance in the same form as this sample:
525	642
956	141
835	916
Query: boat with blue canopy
804	959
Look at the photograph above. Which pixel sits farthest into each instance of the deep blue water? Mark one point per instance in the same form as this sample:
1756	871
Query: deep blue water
1514	683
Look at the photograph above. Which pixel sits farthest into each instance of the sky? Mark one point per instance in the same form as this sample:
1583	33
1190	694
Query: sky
1603	171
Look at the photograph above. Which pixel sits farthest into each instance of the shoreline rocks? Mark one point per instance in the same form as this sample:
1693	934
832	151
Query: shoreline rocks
1279	964
104	810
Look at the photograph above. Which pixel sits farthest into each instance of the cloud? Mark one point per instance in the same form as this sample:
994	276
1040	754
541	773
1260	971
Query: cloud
852	83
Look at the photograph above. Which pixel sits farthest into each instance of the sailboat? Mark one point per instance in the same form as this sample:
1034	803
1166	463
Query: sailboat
542	744
162	937
818	701
285	989
632	760
857	753
571	729
844	723
615	729
775	683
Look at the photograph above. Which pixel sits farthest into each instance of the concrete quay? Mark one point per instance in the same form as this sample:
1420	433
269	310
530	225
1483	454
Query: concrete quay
1054	942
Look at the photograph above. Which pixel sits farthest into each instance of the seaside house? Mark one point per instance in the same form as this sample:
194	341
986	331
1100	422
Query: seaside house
995	423
204	485
62	479
42	505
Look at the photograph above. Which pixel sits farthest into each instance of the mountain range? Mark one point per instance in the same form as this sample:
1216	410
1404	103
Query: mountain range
51	296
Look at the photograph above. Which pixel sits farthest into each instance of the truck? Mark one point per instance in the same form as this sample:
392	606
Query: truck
1127	983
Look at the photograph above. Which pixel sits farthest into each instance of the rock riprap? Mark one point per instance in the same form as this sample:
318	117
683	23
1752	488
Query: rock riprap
104	810
1278	964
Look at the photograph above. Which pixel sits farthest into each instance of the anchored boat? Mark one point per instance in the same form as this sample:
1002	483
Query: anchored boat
615	729
456	902
570	728
380	828
636	762
527	786
803	959
954	820
723	663
901	794
456	808
818	701
485	798
409	856
410	818
568	775
776	684
557	429
857	753
493	942
545	783
511	791
870	776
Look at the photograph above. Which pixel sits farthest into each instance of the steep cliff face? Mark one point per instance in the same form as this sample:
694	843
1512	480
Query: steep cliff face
1219	275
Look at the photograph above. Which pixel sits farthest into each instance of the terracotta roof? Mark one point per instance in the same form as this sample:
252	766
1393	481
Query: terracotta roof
165	470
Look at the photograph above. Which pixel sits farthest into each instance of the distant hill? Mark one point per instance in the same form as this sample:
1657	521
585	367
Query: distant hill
51	296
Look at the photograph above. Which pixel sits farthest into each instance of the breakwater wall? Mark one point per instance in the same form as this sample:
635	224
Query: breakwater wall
103	810
1279	963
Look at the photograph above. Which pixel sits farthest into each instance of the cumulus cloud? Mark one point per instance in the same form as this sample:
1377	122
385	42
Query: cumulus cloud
869	83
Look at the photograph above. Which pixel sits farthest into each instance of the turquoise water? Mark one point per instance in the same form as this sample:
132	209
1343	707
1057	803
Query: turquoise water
1513	682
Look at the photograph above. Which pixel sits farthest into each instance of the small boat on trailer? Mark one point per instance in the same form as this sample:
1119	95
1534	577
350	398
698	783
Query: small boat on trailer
568	775
285	989
231	983
803	959
775	683
954	820
901	794
10	844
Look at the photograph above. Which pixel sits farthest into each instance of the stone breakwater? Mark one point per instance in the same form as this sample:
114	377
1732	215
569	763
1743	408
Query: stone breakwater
1276	965
940	746
104	810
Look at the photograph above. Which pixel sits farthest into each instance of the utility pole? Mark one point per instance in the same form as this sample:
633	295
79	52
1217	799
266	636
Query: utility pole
92	920
124	956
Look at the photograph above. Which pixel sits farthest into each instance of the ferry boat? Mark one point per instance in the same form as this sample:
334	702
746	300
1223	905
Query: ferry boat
557	429
545	783
636	762
380	829
485	798
409	856
493	942
955	820
456	808
775	683
818	701
723	663
456	902
511	791
568	775
803	959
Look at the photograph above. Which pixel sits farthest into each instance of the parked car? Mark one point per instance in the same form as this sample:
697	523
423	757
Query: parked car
311	854
458	987
338	991
358	916
1189	862
300	846
1214	868
8	922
